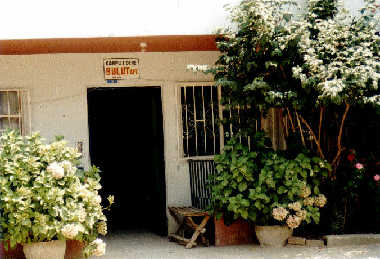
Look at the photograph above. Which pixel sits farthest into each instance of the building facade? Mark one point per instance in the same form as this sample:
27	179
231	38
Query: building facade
78	88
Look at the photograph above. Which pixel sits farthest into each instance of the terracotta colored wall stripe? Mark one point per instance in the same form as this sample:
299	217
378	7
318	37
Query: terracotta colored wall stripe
109	45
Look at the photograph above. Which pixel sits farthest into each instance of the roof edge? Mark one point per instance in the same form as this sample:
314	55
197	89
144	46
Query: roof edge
161	43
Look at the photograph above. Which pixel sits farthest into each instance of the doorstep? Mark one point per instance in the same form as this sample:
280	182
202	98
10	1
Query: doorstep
352	239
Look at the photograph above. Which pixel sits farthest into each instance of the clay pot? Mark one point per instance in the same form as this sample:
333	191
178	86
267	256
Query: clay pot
74	249
274	236
15	253
45	250
238	233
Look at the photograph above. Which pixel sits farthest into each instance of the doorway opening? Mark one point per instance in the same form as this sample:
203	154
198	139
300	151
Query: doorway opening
127	144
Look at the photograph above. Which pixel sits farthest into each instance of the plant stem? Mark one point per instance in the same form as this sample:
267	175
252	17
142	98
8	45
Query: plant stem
291	120
339	144
314	137
300	127
321	111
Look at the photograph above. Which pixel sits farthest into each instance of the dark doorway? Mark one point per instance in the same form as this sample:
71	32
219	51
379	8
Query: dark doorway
126	143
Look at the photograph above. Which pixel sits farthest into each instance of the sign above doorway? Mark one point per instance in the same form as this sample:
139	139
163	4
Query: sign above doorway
121	68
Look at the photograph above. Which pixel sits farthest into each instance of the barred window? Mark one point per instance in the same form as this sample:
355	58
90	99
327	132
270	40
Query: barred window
200	113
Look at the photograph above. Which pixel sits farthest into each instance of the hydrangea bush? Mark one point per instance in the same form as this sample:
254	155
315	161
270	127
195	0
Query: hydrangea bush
288	190
44	197
265	187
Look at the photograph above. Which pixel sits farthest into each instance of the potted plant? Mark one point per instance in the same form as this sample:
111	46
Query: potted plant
263	186
287	192
235	169
44	200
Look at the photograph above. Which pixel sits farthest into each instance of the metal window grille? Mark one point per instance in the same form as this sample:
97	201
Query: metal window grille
11	109
200	113
200	170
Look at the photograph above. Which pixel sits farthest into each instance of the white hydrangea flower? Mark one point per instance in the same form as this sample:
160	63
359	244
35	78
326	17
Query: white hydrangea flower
293	221
70	231
95	200
100	247
320	201
296	206
56	170
68	166
82	215
305	191
280	213
309	201
302	214
102	228
84	192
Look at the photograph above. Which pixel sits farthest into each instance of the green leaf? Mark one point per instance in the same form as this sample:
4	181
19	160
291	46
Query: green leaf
252	215
244	214
218	215
258	205
245	202
281	190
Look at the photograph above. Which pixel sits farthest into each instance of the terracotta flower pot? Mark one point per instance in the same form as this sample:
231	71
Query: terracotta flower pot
275	236
1	250
45	250
238	233
74	249
15	253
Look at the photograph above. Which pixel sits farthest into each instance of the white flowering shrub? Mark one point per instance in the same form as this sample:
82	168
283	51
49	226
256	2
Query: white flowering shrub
343	61
314	66
44	197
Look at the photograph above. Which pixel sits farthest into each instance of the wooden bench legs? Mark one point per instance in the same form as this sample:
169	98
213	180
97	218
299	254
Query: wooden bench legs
188	223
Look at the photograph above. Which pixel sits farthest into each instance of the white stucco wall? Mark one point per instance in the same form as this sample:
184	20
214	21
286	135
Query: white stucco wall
58	92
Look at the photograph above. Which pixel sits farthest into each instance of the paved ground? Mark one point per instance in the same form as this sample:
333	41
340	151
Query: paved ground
134	245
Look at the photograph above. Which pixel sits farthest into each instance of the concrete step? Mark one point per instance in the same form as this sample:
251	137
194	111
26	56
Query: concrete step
352	239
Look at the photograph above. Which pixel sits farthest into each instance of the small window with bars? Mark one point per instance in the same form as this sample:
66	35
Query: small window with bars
11	109
200	113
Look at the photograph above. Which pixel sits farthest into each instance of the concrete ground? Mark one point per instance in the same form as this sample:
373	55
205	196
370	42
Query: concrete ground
144	245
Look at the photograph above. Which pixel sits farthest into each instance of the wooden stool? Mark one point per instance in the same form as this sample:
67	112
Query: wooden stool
187	213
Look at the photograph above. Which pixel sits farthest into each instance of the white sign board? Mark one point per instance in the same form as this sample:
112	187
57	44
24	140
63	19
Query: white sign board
121	68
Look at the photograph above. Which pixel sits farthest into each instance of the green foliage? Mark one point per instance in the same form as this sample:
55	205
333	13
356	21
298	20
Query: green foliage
43	196
237	168
251	183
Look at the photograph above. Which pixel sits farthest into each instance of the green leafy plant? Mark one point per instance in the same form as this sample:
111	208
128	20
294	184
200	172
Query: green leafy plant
263	186
237	169
44	197
288	190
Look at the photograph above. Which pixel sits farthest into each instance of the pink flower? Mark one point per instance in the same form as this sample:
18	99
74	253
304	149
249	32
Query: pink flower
376	178
359	166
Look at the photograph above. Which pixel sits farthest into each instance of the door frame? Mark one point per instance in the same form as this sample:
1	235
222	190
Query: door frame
131	85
